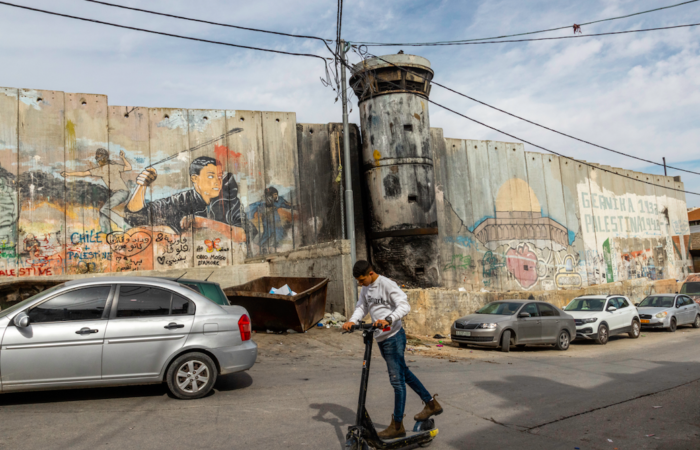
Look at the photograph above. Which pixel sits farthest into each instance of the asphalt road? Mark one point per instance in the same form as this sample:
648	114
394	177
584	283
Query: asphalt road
302	394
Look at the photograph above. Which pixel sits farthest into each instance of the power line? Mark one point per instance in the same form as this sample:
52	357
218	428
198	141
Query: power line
162	33
211	23
527	33
578	36
531	122
531	143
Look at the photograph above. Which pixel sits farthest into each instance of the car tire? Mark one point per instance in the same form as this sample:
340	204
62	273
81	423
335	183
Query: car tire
185	376
636	329
673	326
603	334
463	345
563	341
505	341
696	324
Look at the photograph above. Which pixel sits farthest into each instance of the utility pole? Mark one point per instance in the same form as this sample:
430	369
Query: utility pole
349	207
665	174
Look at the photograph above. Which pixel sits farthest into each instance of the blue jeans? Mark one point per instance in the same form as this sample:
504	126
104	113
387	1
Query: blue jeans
392	351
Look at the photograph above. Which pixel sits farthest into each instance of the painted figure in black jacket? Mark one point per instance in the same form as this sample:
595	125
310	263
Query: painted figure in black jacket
213	196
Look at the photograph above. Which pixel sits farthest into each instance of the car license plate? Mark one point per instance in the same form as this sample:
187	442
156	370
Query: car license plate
464	333
645	321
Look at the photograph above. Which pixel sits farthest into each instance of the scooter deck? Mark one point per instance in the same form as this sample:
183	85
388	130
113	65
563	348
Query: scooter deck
411	438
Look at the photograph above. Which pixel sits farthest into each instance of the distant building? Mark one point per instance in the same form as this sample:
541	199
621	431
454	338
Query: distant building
694	221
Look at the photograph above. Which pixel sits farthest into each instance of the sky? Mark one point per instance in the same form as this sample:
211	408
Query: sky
635	93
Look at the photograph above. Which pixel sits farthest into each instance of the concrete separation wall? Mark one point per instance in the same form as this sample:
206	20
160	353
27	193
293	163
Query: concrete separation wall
515	220
434	310
89	188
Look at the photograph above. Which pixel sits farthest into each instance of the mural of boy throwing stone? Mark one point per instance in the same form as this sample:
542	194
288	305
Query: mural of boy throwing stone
213	197
110	172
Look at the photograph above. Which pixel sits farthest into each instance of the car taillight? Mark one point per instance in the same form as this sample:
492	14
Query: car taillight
244	327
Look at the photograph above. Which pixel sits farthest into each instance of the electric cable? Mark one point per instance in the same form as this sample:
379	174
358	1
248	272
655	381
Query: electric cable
535	145
209	22
162	33
531	122
383	44
577	36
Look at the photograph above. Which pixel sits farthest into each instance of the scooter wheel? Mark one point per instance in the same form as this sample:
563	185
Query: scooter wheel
352	444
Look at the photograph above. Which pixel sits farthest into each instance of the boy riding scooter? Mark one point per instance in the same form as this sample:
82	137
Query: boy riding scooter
387	305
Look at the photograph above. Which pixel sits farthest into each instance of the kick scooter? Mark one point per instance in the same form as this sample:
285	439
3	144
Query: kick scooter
363	435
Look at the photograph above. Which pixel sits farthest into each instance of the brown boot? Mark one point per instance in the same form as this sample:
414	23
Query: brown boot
432	408
393	431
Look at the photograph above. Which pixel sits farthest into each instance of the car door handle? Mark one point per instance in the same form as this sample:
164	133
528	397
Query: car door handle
86	330
173	325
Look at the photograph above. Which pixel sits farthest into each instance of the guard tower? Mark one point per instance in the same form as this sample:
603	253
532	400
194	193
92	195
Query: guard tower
398	166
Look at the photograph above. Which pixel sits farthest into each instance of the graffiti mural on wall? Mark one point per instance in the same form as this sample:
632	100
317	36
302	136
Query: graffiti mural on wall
270	221
100	189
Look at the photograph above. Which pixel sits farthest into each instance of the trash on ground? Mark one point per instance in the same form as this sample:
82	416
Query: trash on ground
290	331
439	345
453	360
657	407
462	289
650	435
411	360
332	320
438	336
609	440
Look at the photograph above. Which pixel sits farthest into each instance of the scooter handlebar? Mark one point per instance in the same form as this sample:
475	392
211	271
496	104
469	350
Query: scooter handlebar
363	326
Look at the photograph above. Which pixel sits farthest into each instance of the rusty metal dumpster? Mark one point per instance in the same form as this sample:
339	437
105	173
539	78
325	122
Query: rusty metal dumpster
282	312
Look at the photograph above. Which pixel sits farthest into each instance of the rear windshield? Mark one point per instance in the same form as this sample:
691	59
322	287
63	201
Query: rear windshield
690	288
500	308
585	304
657	302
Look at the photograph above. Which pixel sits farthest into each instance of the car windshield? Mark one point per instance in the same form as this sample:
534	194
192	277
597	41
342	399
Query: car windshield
585	304
21	304
500	308
657	302
690	288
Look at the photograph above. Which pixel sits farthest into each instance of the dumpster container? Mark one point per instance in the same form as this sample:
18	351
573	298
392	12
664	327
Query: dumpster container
282	312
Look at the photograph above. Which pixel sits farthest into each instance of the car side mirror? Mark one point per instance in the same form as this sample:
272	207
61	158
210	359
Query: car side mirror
523	315
612	309
636	304
22	320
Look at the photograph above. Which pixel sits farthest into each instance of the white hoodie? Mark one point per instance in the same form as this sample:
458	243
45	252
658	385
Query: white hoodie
382	299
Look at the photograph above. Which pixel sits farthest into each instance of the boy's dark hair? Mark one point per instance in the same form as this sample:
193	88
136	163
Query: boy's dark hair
200	163
361	268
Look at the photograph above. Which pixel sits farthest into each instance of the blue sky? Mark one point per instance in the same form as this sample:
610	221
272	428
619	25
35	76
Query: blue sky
637	93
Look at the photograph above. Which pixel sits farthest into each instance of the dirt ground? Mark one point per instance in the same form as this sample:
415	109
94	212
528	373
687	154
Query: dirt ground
332	343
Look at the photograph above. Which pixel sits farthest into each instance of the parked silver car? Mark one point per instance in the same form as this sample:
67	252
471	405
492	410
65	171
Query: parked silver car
515	322
668	311
122	330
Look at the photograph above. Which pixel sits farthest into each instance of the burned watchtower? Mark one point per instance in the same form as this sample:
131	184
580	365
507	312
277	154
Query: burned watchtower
398	166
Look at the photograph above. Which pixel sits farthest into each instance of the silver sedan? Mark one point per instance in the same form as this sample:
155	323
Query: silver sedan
668	311
122	330
515	322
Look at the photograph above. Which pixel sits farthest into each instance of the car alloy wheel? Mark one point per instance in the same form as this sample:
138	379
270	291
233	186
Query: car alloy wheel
191	376
563	341
634	333
602	335
696	324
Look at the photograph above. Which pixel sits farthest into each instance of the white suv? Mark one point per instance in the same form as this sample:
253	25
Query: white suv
601	316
